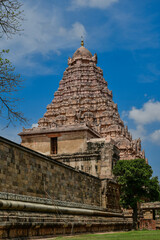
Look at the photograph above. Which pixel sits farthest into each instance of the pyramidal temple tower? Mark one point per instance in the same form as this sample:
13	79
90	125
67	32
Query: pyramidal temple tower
82	103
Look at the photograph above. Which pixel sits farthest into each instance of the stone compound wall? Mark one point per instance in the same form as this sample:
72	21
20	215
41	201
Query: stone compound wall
40	196
26	172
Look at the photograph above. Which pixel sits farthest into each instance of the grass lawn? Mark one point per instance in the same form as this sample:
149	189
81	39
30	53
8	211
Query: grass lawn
132	235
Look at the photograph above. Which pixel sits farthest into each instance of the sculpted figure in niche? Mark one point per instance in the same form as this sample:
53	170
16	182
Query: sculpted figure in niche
88	118
78	116
69	61
53	124
43	122
139	145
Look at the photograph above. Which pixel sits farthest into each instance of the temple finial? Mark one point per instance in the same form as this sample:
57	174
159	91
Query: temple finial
82	41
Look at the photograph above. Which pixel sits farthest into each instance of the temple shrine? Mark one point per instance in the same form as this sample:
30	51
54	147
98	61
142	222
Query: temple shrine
82	119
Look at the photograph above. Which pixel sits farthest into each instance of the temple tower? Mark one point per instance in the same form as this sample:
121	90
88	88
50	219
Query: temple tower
83	99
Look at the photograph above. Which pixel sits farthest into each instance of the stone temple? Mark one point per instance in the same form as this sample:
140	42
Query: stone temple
60	179
81	115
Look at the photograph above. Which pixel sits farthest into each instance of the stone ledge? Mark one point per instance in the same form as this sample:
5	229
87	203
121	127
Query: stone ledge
150	205
30	199
38	130
34	207
61	224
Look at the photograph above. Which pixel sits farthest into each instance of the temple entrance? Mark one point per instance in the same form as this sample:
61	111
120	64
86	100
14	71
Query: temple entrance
54	145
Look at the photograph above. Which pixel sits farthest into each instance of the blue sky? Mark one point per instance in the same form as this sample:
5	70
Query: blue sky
125	35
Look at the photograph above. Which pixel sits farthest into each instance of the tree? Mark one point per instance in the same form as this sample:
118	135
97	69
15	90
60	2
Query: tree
134	177
10	17
10	82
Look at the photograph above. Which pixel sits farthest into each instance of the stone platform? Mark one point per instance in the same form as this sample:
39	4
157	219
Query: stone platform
41	217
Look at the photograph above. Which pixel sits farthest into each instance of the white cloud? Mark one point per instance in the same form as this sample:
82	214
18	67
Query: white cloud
102	4
45	32
149	113
74	33
155	136
139	132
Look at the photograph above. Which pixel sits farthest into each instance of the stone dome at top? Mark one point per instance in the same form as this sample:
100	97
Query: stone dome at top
82	52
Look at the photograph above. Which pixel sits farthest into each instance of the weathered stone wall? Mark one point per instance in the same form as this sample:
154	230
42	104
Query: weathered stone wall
68	140
26	172
112	195
98	159
109	156
87	162
147	224
39	143
149	217
72	142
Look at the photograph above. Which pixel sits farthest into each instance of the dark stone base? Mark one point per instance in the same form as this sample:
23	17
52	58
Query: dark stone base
30	231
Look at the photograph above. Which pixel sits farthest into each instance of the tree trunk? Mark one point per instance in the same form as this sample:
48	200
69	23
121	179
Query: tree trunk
135	217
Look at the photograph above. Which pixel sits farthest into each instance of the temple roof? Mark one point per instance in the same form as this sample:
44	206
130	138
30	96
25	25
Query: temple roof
70	128
82	54
82	51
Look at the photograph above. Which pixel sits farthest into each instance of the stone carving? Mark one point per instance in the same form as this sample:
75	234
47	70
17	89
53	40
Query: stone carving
83	97
25	198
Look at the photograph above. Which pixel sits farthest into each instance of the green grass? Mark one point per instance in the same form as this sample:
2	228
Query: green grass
132	235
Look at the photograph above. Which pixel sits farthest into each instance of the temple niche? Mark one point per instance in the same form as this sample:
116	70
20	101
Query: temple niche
82	109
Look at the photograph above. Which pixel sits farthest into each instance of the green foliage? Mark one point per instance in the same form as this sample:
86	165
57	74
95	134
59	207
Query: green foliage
134	176
154	190
10	17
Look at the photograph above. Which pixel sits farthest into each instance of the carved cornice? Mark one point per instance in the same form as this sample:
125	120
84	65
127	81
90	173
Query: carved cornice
47	201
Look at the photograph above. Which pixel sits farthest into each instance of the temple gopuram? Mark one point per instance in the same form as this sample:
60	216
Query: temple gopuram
82	120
